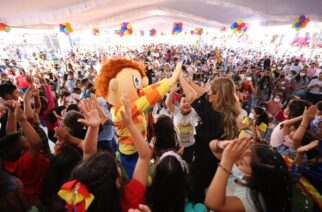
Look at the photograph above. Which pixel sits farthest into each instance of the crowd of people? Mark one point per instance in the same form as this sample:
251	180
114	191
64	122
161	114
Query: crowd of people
239	130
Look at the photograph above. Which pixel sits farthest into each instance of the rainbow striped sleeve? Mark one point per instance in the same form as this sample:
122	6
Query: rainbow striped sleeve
145	102
149	88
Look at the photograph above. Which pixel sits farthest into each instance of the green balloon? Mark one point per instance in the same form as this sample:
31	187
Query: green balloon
7	28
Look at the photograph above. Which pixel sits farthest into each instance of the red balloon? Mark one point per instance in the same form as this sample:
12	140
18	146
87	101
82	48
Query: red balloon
243	25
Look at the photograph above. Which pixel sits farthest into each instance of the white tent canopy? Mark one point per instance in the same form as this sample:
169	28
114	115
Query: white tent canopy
147	13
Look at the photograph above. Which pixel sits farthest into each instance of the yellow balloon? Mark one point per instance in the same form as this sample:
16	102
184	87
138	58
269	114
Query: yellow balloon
296	20
239	21
126	33
235	30
71	30
129	26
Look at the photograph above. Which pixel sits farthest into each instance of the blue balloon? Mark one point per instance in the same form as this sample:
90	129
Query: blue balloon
235	25
62	29
232	27
297	25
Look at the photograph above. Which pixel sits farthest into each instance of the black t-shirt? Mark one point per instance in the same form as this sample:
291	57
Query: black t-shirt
210	126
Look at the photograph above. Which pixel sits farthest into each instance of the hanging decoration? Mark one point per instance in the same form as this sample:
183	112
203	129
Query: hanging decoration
300	22
153	32
223	29
126	29
95	31
239	27
5	27
199	31
177	28
301	41
66	28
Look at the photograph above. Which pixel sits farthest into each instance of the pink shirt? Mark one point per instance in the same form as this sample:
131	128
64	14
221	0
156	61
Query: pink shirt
22	81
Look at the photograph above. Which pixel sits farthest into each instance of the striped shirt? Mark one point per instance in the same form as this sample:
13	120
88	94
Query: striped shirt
148	97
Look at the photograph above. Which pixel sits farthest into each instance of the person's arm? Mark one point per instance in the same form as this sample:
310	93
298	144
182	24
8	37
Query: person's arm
216	198
92	120
49	95
38	104
199	90
62	134
217	147
187	89
141	170
308	115
287	124
169	101
101	112
29	132
11	126
27	107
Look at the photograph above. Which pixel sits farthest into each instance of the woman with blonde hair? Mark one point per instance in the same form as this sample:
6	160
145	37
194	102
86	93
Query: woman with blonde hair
218	108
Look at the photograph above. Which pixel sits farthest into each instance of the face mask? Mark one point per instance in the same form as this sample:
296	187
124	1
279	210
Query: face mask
277	99
239	175
302	74
251	116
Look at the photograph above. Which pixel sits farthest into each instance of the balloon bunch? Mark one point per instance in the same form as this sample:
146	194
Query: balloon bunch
199	31
142	33
153	32
126	29
5	27
300	22
95	31
177	28
239	26
66	28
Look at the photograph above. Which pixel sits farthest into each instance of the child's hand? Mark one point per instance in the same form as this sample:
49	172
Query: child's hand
92	118
126	112
236	149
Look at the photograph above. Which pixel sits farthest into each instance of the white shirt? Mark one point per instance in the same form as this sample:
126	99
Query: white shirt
315	86
297	68
185	126
157	111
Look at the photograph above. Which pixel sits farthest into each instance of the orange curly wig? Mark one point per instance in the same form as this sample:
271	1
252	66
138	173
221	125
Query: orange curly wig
109	71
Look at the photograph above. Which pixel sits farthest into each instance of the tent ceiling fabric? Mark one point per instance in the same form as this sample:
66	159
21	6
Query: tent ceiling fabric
109	13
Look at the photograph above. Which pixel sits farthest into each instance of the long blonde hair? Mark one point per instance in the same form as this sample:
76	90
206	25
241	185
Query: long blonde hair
227	103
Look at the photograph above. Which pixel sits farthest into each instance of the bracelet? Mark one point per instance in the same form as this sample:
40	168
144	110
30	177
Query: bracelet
224	169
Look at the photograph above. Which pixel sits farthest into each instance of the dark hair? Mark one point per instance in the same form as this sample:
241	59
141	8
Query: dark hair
71	121
10	147
99	173
58	173
319	105
73	107
7	88
263	117
168	190
269	176
165	136
296	107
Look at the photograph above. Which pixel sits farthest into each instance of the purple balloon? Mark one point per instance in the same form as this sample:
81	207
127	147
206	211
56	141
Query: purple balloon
302	18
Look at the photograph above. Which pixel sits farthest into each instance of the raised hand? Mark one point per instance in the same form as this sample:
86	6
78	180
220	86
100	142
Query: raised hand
126	112
20	115
88	108
29	92
309	114
236	149
142	208
175	74
62	133
11	105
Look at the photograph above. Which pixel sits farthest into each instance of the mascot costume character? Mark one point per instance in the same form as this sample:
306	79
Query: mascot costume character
124	76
